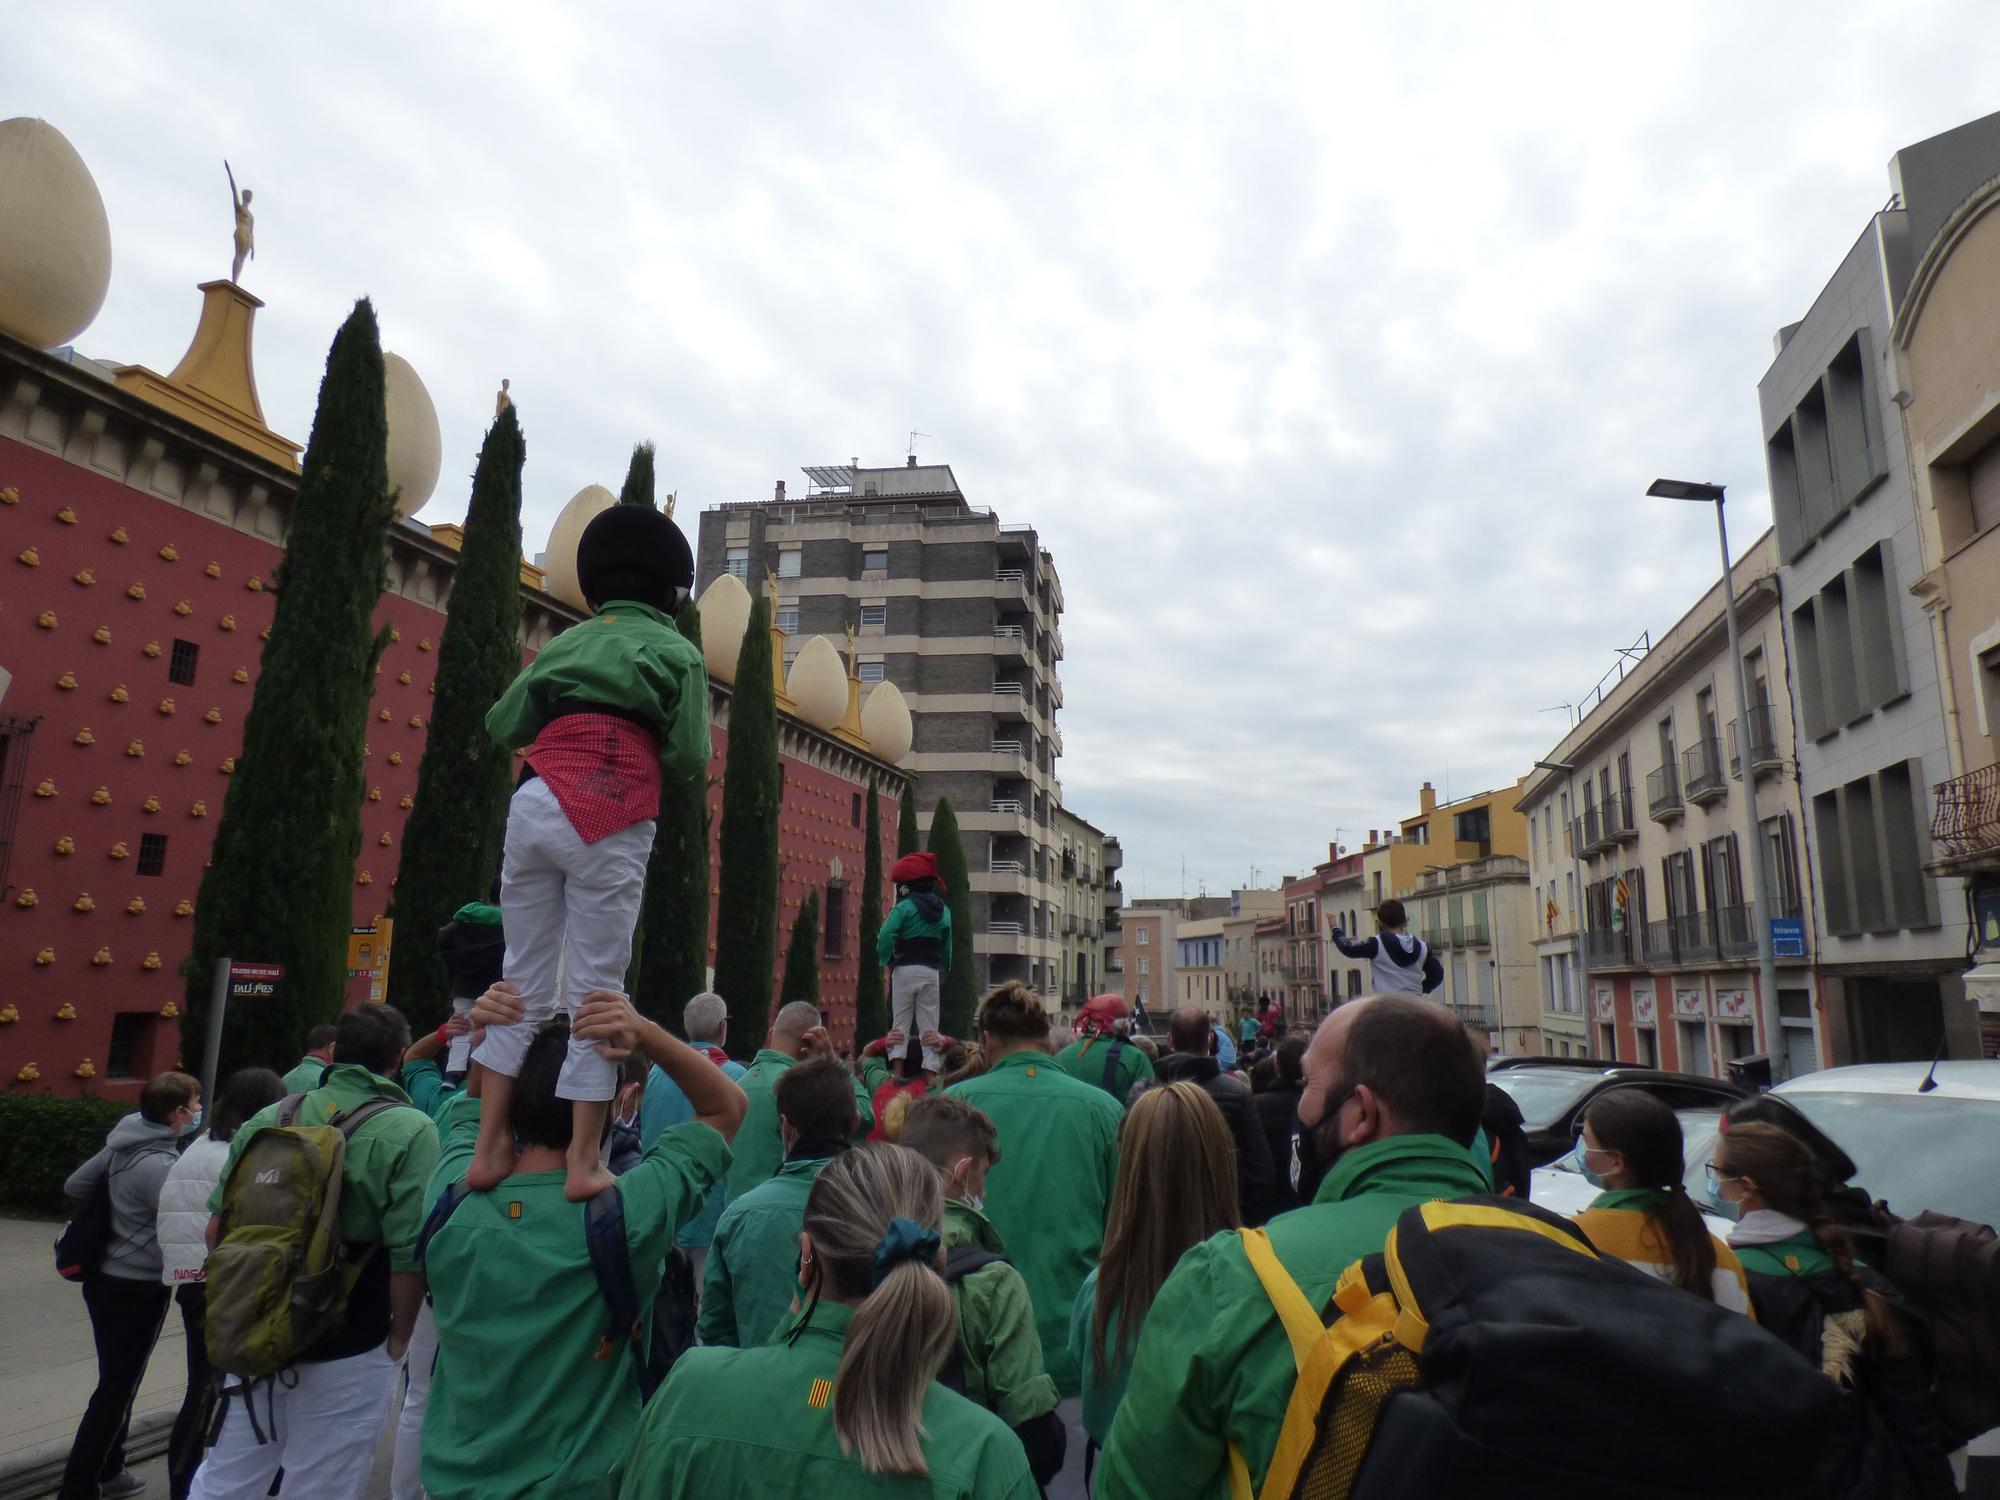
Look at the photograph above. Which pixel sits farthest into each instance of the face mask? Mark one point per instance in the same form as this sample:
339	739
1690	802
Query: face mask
1582	1159
1728	1208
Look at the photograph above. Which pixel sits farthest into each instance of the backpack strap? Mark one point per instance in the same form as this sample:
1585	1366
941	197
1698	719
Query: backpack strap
1118	1045
611	1263
960	1261
288	1111
441	1212
348	1121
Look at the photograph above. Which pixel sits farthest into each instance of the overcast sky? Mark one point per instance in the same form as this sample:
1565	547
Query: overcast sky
1329	347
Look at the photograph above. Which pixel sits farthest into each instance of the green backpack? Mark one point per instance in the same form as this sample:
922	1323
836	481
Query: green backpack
279	1276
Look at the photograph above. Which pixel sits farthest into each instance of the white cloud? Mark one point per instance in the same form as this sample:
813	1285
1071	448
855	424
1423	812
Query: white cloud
1330	348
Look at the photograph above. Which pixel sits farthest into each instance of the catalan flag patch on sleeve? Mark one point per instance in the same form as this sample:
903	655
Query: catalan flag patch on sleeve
821	1395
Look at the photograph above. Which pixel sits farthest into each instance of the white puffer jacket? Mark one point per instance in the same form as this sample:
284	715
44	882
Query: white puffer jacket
184	1210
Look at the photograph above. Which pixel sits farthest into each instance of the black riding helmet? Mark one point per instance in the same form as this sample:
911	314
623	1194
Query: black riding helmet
634	552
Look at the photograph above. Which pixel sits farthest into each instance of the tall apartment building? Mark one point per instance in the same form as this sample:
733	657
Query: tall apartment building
1088	862
1947	338
1871	705
963	614
1636	853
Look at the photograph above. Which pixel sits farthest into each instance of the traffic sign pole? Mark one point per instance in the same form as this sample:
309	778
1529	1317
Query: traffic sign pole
211	1051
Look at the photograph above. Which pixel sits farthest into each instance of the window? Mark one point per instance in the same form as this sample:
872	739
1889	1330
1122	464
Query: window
835	937
128	1053
1903	863
1982	482
874	617
1812	694
737	561
874	559
1145	935
153	854
1145	964
1649	1046
855	813
1836	655
871	671
788	619
1472	827
180	667
1878	635
1836	910
789	561
1850	424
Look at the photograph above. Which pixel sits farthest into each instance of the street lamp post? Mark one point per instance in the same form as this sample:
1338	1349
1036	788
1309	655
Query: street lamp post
1760	911
1579	905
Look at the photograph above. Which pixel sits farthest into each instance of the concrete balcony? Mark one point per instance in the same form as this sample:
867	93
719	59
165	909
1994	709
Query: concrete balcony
1010	701
1114	898
1010	586
1764	757
1009	758
1114	856
1701	773
1620	827
1663	794
1965	822
1001	816
1010	643
1003	877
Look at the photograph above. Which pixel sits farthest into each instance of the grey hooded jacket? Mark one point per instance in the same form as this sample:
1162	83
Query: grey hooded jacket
138	1154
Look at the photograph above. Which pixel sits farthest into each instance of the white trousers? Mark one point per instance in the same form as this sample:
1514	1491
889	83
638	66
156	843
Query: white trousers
570	908
405	1482
913	1005
322	1432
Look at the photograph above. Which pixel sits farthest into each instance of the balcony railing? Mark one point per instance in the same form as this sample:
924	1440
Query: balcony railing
1656	943
1007	867
1464	935
1008	806
1484	1016
1010	575
1701	772
1619	825
1663	793
1736	931
1764	758
1607	949
1007	929
1007	747
1965	823
1694	937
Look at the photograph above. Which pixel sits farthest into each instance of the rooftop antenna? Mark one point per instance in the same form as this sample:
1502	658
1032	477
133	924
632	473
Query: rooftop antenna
914	435
1561	708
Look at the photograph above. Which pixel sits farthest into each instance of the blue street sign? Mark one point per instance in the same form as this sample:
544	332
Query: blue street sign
1788	937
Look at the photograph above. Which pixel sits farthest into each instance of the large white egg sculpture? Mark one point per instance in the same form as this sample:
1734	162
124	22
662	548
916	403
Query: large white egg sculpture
416	446
725	615
559	561
885	722
817	684
55	242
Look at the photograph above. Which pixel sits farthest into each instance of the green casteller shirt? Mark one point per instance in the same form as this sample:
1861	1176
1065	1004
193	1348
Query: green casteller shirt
305	1076
627	656
1100	1397
521	1405
760	1422
1049	1192
1801	1255
1083	1060
904	920
753	1261
759	1146
1214	1363
998	1347
387	1165
424	1082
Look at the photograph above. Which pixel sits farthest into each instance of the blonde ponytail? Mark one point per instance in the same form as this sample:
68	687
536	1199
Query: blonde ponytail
904	1325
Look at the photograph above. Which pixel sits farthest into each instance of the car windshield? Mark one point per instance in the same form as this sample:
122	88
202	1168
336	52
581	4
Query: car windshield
1543	1094
1913	1151
1698	1127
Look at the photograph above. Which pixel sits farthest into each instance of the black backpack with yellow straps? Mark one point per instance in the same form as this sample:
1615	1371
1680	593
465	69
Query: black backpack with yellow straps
1488	1351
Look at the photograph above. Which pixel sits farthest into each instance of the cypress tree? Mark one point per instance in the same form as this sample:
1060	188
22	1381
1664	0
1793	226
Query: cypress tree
871	1002
908	839
279	885
638	487
802	955
451	845
959	996
747	884
671	951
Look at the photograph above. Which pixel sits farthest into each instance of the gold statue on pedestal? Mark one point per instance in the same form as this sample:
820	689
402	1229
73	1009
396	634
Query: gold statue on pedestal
246	226
502	400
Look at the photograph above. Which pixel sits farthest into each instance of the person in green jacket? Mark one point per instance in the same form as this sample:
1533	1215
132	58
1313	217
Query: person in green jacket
1394	1091
607	713
846	1403
1048	1195
525	1401
1103	1054
1000	1361
309	1070
914	944
795	1035
753	1261
1176	1187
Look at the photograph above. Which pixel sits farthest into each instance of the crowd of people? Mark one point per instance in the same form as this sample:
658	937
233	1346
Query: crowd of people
1033	1261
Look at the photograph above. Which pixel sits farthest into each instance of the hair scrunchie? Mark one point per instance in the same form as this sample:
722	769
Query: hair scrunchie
906	1239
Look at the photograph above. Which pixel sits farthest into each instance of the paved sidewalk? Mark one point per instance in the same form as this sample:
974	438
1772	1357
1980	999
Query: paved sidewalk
49	1368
